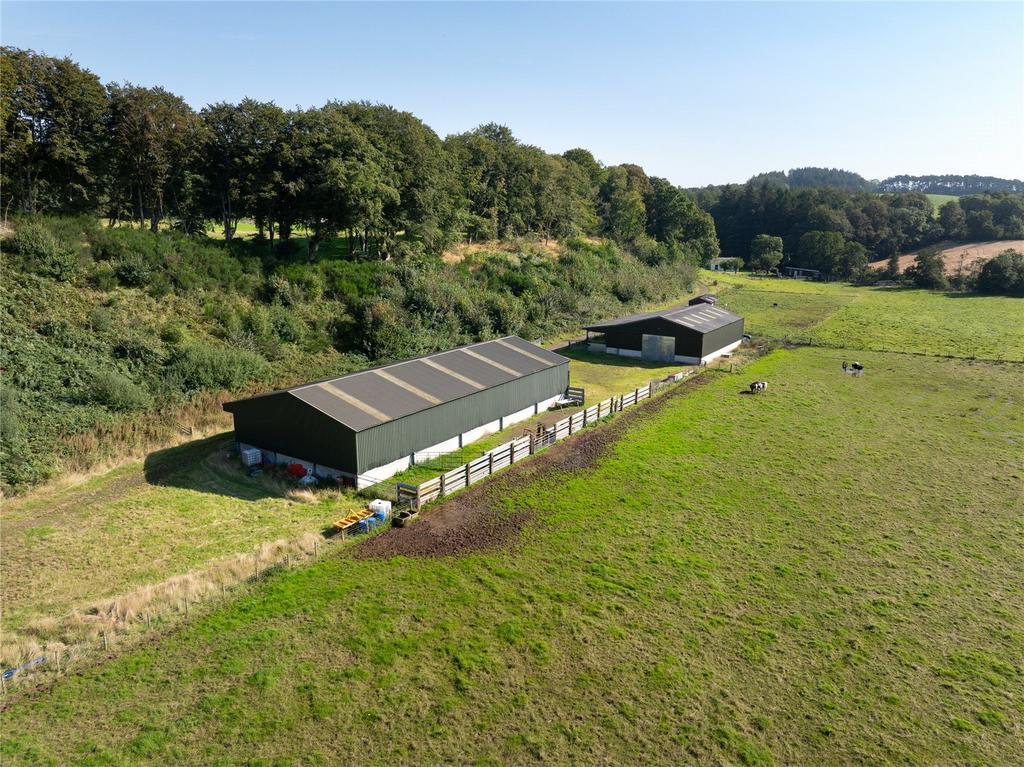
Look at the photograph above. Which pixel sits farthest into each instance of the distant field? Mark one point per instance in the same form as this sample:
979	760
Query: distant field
959	255
925	322
938	200
829	573
881	319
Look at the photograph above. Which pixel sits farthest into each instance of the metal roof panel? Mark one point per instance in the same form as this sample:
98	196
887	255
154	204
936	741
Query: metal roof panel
368	398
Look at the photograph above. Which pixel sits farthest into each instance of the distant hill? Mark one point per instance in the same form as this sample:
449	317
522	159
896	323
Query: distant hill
950	184
808	178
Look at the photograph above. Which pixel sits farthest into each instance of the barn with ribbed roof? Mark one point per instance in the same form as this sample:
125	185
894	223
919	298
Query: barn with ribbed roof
689	334
371	424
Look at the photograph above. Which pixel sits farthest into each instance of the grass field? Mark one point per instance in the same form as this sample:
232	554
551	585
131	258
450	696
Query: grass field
938	200
58	544
187	506
826	574
880	319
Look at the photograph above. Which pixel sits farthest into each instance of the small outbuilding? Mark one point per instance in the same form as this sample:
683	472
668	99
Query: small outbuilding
706	298
690	334
369	425
799	273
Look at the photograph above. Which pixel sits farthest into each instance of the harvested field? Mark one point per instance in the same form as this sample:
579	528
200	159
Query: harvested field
475	520
959	255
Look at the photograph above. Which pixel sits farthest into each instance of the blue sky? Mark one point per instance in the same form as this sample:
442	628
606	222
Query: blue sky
698	93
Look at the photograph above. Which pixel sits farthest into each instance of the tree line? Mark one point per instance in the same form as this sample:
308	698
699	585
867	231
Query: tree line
950	184
74	145
808	178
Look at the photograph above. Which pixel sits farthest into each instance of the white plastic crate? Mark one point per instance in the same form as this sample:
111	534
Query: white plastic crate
252	456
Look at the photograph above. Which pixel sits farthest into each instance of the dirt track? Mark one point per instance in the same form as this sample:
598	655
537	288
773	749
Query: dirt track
473	520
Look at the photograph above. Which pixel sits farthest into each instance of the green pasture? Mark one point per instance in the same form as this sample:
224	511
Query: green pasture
879	319
829	573
187	506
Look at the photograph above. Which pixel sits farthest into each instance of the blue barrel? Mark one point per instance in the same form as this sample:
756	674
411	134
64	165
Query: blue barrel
381	516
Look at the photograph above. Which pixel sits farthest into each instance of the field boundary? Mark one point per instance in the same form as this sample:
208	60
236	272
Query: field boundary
412	498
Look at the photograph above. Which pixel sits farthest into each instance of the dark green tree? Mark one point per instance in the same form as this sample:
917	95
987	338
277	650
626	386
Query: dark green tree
53	138
155	137
765	253
953	221
928	270
1003	274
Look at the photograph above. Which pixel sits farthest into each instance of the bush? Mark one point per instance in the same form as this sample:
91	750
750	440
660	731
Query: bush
117	392
287	326
202	366
928	271
1003	275
10	421
133	271
44	253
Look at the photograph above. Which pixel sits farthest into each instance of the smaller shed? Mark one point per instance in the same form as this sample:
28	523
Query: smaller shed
799	273
690	334
707	298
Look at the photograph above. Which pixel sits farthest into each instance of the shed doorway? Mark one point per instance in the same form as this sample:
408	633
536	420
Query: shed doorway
658	348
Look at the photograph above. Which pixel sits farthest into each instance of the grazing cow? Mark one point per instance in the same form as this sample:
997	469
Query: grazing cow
857	368
758	386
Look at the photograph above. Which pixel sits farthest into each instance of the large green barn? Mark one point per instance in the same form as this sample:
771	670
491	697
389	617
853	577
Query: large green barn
690	334
369	425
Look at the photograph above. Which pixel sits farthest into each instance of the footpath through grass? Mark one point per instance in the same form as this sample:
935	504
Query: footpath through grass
830	573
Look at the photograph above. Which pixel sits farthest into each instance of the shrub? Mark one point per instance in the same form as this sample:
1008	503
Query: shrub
1003	275
138	348
133	271
287	326
10	421
100	319
202	366
928	270
44	253
117	392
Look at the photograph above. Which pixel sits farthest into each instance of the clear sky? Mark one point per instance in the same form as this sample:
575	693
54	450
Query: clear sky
698	93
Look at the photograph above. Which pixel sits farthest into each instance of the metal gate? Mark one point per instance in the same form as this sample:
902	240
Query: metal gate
658	348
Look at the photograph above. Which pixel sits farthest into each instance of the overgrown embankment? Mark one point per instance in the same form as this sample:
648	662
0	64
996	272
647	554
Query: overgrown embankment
115	339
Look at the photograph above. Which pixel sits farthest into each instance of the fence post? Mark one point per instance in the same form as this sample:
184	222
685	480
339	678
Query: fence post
440	487
490	463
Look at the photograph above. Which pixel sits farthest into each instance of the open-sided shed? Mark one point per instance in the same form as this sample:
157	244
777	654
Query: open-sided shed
691	334
371	424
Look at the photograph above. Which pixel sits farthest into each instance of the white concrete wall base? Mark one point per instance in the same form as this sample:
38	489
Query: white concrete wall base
373	476
448	446
724	350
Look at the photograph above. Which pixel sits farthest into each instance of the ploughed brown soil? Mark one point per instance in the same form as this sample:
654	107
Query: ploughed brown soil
956	255
474	519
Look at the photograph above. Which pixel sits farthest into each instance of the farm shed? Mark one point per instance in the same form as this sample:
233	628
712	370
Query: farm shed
691	334
369	425
706	298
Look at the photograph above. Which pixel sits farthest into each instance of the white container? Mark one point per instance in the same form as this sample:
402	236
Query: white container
252	456
380	505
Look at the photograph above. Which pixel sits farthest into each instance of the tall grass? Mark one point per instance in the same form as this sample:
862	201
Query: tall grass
102	623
